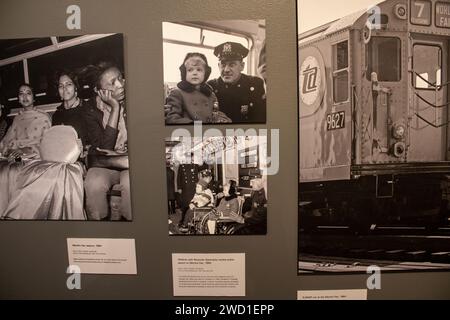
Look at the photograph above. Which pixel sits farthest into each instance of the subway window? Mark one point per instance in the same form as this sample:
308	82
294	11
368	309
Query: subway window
427	66
340	72
37	61
384	58
43	68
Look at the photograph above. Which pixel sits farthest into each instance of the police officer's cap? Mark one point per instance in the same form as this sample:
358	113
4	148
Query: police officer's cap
230	51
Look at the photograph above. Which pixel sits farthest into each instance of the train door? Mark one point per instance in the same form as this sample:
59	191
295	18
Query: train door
429	109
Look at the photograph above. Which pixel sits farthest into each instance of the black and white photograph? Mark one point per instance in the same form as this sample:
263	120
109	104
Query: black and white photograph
214	72
374	159
63	131
217	185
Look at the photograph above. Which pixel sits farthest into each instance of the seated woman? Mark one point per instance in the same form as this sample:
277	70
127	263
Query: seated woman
21	142
107	135
71	111
24	136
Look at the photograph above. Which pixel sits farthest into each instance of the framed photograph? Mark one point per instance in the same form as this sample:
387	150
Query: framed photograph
217	185
63	132
214	72
373	138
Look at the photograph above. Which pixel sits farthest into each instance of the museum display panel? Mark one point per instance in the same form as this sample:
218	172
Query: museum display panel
140	259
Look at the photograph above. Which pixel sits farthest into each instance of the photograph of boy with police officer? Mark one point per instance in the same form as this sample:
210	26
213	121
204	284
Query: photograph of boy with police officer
215	72
63	131
217	186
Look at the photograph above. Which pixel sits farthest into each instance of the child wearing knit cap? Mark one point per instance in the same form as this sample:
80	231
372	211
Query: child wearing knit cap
193	99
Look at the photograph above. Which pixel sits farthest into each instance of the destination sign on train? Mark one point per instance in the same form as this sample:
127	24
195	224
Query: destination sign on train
421	12
443	14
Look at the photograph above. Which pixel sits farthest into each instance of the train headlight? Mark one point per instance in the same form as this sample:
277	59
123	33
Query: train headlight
399	149
399	131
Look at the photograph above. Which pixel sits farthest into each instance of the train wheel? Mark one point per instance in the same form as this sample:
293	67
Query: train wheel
201	226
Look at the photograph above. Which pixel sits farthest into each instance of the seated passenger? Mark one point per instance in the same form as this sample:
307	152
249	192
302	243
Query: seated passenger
257	214
203	198
70	112
24	136
229	205
228	208
51	188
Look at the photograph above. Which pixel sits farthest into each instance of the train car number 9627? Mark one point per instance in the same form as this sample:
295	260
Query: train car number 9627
336	120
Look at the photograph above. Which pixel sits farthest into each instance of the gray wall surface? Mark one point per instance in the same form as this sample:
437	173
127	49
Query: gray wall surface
33	255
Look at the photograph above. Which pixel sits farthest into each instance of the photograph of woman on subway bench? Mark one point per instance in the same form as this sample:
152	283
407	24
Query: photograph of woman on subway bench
64	156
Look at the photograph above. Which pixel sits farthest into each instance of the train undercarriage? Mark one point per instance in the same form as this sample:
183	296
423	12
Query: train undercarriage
400	199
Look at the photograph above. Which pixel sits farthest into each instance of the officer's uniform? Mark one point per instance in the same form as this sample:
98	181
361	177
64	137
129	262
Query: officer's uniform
187	178
245	100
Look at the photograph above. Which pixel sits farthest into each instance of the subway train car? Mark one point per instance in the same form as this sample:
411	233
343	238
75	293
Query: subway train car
182	37
374	118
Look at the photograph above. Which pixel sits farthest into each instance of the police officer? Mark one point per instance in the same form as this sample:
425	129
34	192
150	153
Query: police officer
241	97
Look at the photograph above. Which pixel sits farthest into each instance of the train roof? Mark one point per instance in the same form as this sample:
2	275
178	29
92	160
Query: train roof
330	28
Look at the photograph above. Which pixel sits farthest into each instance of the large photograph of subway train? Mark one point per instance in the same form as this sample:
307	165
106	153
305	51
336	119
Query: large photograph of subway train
63	131
374	161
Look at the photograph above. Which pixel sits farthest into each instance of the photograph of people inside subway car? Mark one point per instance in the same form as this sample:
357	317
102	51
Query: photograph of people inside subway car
214	72
63	147
217	186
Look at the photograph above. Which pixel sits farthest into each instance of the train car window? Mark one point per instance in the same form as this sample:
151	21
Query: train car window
40	70
340	72
11	75
210	38
384	58
181	32
427	66
180	39
382	19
